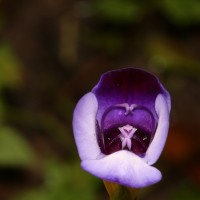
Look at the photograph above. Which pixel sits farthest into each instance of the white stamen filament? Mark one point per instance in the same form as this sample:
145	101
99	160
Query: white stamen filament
127	133
129	108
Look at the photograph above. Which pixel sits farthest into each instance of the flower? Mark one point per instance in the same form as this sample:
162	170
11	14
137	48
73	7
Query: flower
121	126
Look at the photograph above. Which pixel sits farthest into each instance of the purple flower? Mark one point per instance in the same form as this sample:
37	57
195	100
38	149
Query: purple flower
121	126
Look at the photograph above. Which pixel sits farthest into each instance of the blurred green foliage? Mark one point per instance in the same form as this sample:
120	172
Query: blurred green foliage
38	93
63	181
108	42
9	67
185	191
182	12
14	149
165	57
116	11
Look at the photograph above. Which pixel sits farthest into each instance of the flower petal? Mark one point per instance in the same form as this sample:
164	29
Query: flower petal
162	107
84	127
139	118
129	85
123	167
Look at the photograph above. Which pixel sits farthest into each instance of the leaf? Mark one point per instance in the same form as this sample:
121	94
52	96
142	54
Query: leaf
182	12
14	150
185	191
63	181
9	67
117	10
166	57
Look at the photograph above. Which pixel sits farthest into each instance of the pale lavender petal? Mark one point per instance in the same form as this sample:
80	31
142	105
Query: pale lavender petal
162	107
125	168
84	120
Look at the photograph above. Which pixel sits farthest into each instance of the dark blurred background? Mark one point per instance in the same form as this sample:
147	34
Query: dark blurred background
53	52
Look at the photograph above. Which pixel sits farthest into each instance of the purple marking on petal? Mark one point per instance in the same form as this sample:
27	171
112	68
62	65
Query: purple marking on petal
112	141
139	117
140	142
113	122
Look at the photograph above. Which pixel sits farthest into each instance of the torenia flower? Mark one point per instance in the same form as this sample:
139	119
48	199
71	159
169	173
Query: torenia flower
121	126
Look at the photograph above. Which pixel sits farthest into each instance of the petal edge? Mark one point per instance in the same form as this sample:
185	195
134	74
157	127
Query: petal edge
162	109
84	127
125	168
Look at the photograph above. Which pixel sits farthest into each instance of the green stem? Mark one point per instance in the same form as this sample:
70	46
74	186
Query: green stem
119	192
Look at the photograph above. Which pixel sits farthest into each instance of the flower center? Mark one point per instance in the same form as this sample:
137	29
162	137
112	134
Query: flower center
125	131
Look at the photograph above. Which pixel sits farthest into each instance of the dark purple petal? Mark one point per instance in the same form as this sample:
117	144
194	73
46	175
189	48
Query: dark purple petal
127	97
112	142
129	85
139	118
140	142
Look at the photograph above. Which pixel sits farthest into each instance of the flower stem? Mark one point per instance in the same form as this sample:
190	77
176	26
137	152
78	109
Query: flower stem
120	192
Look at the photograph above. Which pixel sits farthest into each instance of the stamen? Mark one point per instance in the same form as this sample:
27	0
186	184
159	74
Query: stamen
117	134
127	133
128	108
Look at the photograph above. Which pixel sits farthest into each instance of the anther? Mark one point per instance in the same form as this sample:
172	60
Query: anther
127	133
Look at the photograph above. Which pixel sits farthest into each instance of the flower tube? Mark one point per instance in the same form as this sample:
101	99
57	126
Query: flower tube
121	126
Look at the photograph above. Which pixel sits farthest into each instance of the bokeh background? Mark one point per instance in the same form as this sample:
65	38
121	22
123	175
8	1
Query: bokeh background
53	52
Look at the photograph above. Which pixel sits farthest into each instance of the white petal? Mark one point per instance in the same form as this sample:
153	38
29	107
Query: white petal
123	167
84	127
157	145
